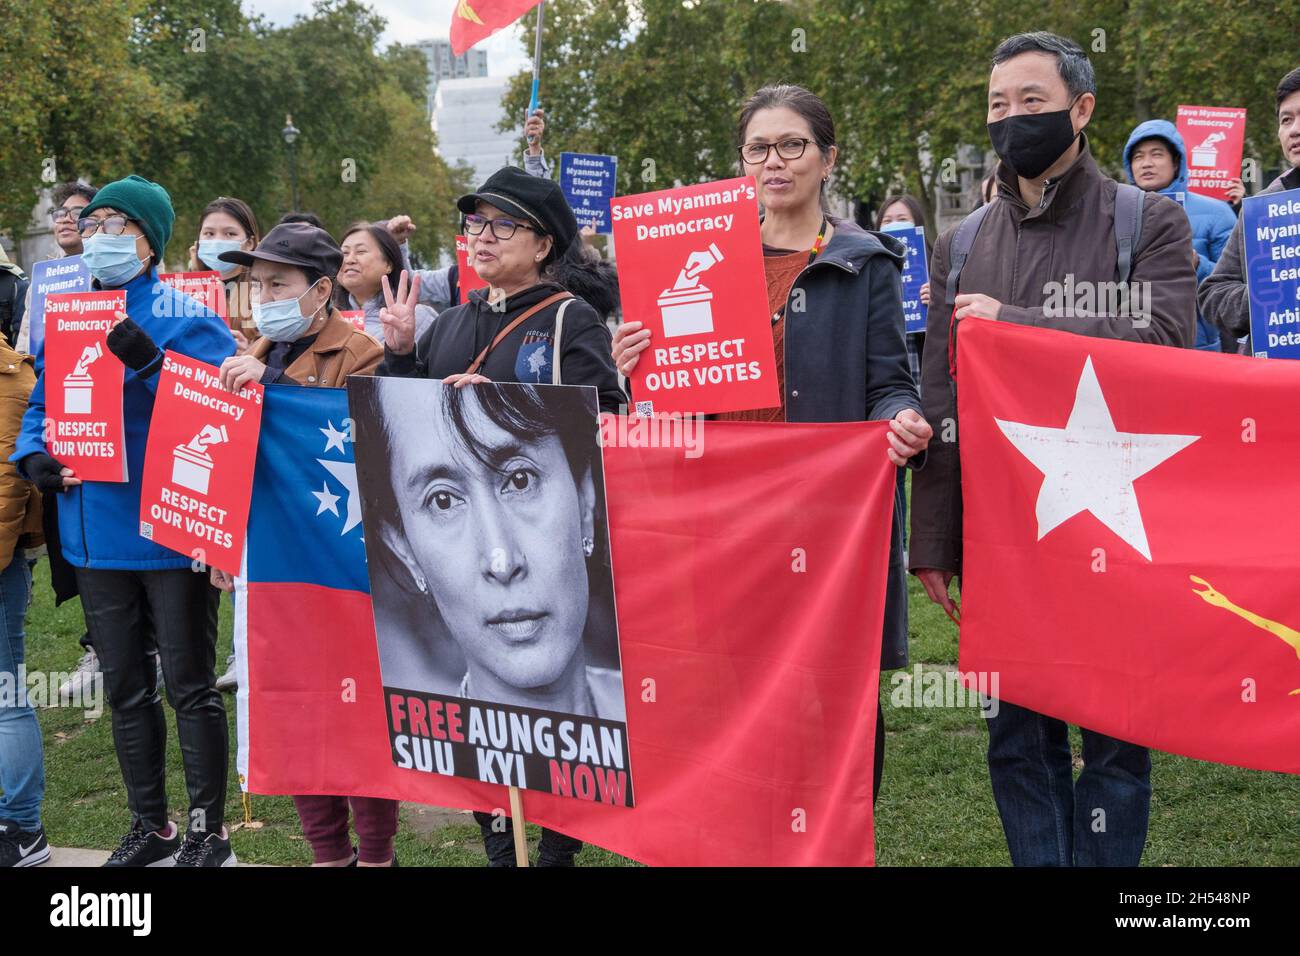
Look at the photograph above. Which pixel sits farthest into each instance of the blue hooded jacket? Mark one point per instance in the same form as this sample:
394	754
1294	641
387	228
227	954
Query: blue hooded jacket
99	521
1212	219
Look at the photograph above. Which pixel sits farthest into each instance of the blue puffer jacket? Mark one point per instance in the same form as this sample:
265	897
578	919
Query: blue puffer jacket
99	521
1212	219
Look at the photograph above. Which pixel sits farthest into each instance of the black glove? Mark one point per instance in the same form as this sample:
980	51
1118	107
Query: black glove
132	345
44	471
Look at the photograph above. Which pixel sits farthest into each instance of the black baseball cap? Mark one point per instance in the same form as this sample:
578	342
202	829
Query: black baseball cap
296	244
518	193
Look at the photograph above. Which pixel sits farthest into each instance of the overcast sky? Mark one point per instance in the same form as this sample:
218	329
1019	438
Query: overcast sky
412	20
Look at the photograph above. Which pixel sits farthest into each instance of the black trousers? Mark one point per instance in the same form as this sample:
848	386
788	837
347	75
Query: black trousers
126	613
554	849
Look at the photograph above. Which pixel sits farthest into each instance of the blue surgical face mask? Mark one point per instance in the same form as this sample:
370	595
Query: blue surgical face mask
282	320
111	259
897	227
209	249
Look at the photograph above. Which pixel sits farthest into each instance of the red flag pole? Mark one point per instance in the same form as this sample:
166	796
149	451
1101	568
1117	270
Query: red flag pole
537	67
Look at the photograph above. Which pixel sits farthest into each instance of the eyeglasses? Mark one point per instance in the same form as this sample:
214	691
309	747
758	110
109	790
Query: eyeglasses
111	225
755	153
501	228
60	213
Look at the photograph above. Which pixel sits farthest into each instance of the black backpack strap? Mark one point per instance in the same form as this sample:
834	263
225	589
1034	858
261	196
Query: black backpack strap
962	241
1128	227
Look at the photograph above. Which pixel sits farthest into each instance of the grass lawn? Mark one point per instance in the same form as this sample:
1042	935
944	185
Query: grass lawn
935	806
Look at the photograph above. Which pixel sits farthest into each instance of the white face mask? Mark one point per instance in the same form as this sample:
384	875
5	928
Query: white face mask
209	249
282	320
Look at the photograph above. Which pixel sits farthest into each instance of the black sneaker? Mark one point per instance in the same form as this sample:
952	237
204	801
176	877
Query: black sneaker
205	849
20	847
139	848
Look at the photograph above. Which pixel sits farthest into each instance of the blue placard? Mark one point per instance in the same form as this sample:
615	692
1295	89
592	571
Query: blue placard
1270	233
588	182
50	276
916	273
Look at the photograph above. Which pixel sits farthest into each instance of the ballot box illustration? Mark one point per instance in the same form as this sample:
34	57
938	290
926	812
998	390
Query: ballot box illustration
687	308
1206	153
78	386
191	463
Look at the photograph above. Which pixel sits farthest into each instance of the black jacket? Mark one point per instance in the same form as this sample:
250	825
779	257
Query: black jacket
452	342
846	361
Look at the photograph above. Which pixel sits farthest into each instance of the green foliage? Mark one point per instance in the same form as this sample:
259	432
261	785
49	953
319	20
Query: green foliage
905	80
194	94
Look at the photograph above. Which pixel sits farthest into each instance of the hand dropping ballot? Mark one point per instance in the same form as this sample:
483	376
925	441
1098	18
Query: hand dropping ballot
83	385
691	270
198	467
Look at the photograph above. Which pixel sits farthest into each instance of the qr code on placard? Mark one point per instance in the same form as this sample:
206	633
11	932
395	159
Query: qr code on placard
146	530
645	409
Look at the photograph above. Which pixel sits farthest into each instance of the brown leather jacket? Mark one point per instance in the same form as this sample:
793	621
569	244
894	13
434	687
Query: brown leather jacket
1017	252
340	350
20	502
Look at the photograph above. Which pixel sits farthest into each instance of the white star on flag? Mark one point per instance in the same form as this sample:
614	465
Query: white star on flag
1089	466
345	472
333	437
328	502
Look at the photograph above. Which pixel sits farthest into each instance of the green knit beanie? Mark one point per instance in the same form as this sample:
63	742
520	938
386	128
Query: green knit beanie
145	202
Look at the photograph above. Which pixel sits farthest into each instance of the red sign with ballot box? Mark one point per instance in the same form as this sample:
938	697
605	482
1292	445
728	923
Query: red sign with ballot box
198	466
205	288
83	385
691	270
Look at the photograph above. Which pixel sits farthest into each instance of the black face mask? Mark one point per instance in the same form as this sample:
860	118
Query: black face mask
1030	142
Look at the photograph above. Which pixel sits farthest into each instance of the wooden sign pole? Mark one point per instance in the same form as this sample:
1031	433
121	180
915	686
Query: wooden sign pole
517	820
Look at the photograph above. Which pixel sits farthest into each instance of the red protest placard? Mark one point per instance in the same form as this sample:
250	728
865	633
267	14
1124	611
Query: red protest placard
468	279
356	316
83	385
691	269
1214	137
198	466
204	287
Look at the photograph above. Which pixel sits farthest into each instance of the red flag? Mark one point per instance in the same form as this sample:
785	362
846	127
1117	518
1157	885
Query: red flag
1131	539
476	20
750	586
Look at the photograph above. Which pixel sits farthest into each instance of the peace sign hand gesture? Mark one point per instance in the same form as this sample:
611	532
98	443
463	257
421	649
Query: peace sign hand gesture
398	314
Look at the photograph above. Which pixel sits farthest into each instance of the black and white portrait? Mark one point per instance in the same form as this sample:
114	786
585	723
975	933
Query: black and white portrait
486	536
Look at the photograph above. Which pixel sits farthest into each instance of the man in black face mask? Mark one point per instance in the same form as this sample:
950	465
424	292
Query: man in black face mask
1056	217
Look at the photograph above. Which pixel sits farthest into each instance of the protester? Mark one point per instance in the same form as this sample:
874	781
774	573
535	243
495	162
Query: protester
1055	215
906	211
304	341
369	254
13	290
841	356
70	199
1155	159
228	224
22	761
1223	297
125	229
517	227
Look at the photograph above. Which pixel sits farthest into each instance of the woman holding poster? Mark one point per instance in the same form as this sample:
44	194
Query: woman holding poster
125	579
522	328
305	341
840	354
227	225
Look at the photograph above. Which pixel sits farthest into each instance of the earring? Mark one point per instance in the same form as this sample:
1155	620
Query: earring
539	258
588	546
420	583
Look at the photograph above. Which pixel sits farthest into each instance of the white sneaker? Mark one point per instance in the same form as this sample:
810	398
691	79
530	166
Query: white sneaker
228	682
86	673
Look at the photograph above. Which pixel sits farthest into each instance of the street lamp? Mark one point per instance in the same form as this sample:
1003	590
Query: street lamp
290	134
